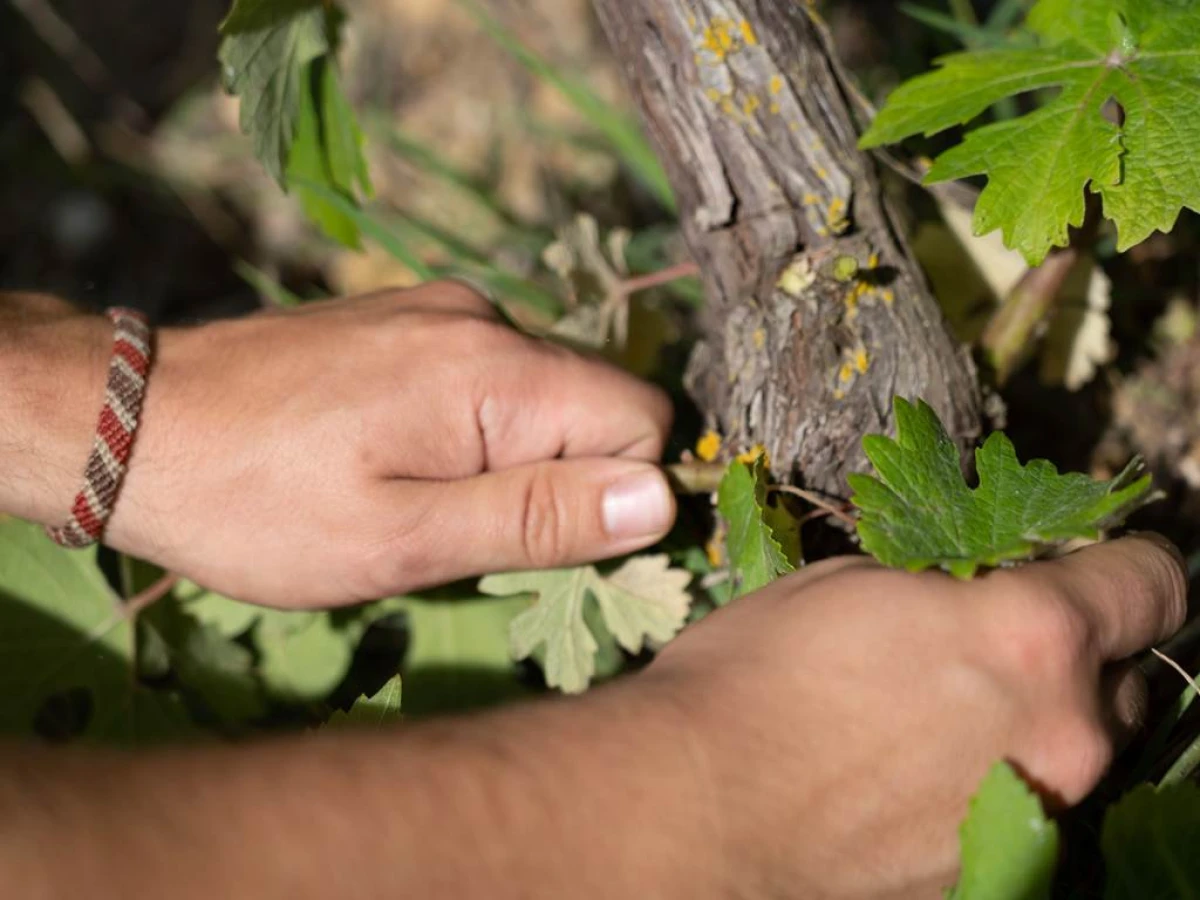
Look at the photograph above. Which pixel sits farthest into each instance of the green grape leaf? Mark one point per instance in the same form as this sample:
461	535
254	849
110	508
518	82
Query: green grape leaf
265	52
304	655
1009	847
643	601
230	618
1142	54
756	555
919	511
1150	842
277	57
67	649
457	656
213	669
382	708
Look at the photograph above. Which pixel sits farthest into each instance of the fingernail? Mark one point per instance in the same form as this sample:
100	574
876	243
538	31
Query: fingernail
638	505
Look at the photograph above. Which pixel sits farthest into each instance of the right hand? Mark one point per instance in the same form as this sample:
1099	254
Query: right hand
844	716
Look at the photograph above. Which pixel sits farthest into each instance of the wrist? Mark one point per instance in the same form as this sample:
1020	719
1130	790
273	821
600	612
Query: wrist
53	362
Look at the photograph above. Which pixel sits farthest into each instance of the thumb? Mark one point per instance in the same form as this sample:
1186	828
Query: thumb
538	516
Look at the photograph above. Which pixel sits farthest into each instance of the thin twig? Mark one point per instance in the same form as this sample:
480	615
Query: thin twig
1006	339
1178	668
141	600
657	279
818	501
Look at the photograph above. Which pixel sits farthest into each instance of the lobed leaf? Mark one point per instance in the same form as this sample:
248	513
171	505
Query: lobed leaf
1142	54
919	511
643	601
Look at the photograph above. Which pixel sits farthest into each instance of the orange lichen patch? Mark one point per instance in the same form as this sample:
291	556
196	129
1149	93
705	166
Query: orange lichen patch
846	373
718	37
774	108
822	173
727	106
873	261
760	338
888	296
713	94
758	451
861	360
751	104
723	36
708	446
775	85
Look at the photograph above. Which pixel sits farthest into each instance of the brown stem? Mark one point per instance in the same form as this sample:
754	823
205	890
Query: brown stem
826	507
663	276
141	600
1006	340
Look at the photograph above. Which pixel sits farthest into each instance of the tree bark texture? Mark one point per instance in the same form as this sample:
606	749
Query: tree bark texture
801	353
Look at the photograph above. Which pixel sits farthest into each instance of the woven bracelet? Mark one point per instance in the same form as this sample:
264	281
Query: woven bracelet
123	397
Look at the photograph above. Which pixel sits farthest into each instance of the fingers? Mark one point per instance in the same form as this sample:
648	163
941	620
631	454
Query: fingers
1132	592
1123	698
554	402
548	515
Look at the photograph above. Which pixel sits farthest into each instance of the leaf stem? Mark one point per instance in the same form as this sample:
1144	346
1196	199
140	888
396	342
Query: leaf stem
826	506
140	601
1006	339
661	277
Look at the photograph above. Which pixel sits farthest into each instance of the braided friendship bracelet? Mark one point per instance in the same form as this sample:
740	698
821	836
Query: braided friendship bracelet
106	465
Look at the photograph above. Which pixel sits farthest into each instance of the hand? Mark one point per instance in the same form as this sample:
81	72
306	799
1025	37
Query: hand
843	716
359	448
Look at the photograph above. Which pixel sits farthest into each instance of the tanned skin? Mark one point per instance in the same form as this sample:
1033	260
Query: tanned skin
818	739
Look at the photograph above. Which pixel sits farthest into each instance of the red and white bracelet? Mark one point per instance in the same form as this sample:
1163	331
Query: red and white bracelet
123	395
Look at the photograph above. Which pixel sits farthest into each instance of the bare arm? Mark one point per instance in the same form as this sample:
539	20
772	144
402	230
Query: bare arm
562	799
818	739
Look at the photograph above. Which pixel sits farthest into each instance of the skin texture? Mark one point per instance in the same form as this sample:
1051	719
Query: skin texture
817	739
347	450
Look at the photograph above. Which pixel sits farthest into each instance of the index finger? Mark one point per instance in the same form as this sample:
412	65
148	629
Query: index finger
1133	591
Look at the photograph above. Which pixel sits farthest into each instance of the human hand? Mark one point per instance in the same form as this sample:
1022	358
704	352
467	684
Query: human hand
360	448
843	716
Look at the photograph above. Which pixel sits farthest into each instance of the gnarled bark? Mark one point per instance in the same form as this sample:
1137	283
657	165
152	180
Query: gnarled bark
750	114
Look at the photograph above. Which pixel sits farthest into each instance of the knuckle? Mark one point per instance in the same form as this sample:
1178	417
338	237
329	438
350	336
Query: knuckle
543	521
1082	752
478	337
392	563
1041	632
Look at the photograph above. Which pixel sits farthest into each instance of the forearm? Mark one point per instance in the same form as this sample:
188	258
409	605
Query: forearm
588	798
52	366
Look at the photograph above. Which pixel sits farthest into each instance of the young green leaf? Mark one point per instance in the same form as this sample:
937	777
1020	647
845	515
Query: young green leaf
382	708
1146	59
1009	847
919	511
644	600
278	58
756	556
1150	843
266	49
